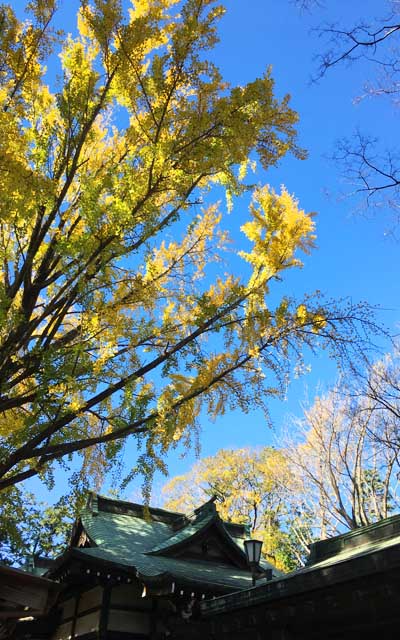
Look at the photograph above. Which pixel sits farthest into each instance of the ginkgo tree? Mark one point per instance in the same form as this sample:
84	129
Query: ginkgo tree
251	486
118	314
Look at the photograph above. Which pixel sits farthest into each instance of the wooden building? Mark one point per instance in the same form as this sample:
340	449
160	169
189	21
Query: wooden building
140	573
350	589
23	595
133	573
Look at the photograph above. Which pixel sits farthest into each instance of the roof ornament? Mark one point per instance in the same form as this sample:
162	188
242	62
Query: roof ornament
209	506
92	503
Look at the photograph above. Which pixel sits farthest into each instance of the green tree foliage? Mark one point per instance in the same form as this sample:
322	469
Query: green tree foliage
117	315
29	528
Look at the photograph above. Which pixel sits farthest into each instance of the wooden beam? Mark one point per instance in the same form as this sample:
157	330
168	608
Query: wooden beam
24	595
22	613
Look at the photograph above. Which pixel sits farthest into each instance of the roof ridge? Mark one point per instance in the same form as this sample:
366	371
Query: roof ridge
96	503
92	504
182	534
356	538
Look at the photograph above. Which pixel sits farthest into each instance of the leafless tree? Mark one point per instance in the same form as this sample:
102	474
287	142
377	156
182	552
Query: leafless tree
345	463
371	166
379	385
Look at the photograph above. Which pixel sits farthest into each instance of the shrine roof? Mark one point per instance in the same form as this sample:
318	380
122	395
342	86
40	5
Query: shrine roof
24	594
196	572
130	535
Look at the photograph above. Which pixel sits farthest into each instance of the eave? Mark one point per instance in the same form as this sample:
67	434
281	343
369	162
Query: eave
24	594
94	569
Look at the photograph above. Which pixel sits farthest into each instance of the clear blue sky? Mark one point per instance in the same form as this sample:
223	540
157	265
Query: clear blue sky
355	257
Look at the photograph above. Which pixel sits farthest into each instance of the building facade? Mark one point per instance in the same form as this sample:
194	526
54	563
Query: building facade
349	590
138	573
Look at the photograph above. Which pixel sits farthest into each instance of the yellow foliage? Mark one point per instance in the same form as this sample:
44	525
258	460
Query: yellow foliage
117	303
278	230
302	313
250	485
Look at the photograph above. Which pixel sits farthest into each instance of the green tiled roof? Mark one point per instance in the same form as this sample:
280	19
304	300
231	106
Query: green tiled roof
133	540
195	571
357	552
184	534
356	542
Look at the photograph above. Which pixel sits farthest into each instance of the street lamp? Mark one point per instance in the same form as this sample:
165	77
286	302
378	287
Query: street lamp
253	555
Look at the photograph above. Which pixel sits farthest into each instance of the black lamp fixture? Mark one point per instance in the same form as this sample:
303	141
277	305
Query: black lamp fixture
253	555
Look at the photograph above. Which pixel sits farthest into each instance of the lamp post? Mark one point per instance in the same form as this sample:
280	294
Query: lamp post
253	555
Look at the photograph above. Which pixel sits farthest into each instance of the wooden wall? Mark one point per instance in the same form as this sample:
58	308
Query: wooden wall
102	611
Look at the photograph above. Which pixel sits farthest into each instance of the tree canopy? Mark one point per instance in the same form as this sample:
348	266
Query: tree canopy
118	314
251	485
31	529
346	463
336	470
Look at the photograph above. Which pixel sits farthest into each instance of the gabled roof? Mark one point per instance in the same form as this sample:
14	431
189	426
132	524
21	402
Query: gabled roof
204	522
157	543
184	535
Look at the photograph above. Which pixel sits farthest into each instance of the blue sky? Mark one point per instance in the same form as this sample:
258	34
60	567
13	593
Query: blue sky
355	256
